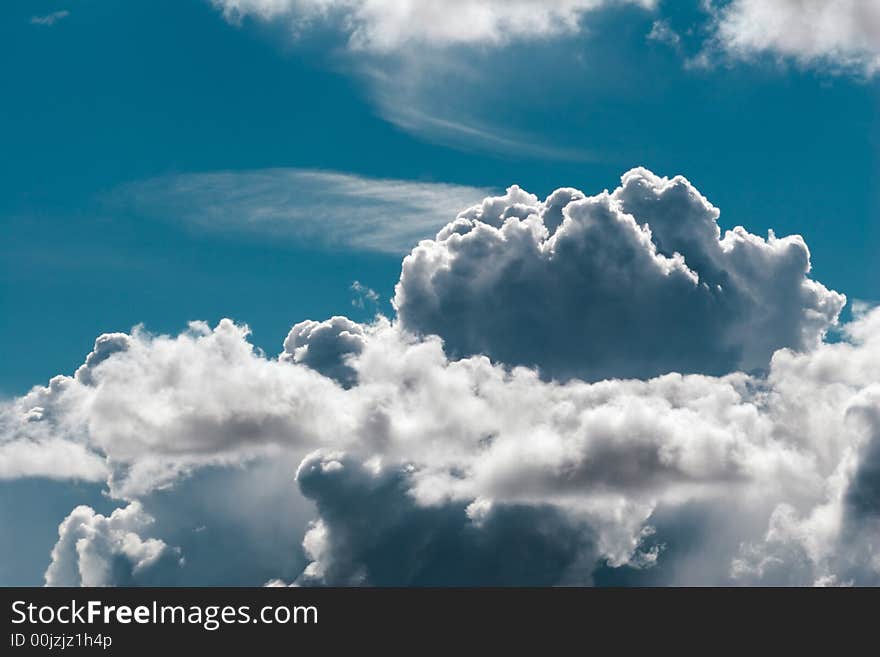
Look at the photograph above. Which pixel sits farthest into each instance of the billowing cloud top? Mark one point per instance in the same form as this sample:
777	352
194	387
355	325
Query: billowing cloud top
421	464
636	282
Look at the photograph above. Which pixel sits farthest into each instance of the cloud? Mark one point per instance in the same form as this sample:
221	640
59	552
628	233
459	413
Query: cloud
432	67
419	466
50	19
164	407
439	70
842	34
54	459
781	467
632	283
97	550
33	444
662	32
372	531
438	445
328	209
405	90
326	347
364	296
388	25
234	525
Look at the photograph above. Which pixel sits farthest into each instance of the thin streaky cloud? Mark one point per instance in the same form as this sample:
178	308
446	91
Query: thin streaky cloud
468	136
405	90
325	209
50	19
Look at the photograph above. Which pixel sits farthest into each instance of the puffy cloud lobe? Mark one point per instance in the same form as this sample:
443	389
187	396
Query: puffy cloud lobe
97	550
832	400
628	284
326	346
388	25
41	435
105	346
843	34
164	407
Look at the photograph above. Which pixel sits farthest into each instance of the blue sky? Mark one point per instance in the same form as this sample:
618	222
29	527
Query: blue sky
163	163
118	93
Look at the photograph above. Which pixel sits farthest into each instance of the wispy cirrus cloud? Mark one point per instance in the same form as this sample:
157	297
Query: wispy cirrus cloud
405	90
436	68
49	20
326	209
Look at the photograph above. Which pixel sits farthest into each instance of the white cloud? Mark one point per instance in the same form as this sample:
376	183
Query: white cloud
436	68
34	444
423	466
54	459
444	441
387	25
97	550
50	19
637	282
322	208
776	460
842	34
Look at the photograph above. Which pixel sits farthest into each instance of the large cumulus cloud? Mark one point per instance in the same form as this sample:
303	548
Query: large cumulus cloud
418	464
632	283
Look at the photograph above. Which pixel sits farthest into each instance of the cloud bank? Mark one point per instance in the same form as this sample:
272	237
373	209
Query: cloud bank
418	464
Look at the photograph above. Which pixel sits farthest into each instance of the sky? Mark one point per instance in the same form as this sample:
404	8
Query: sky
274	161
